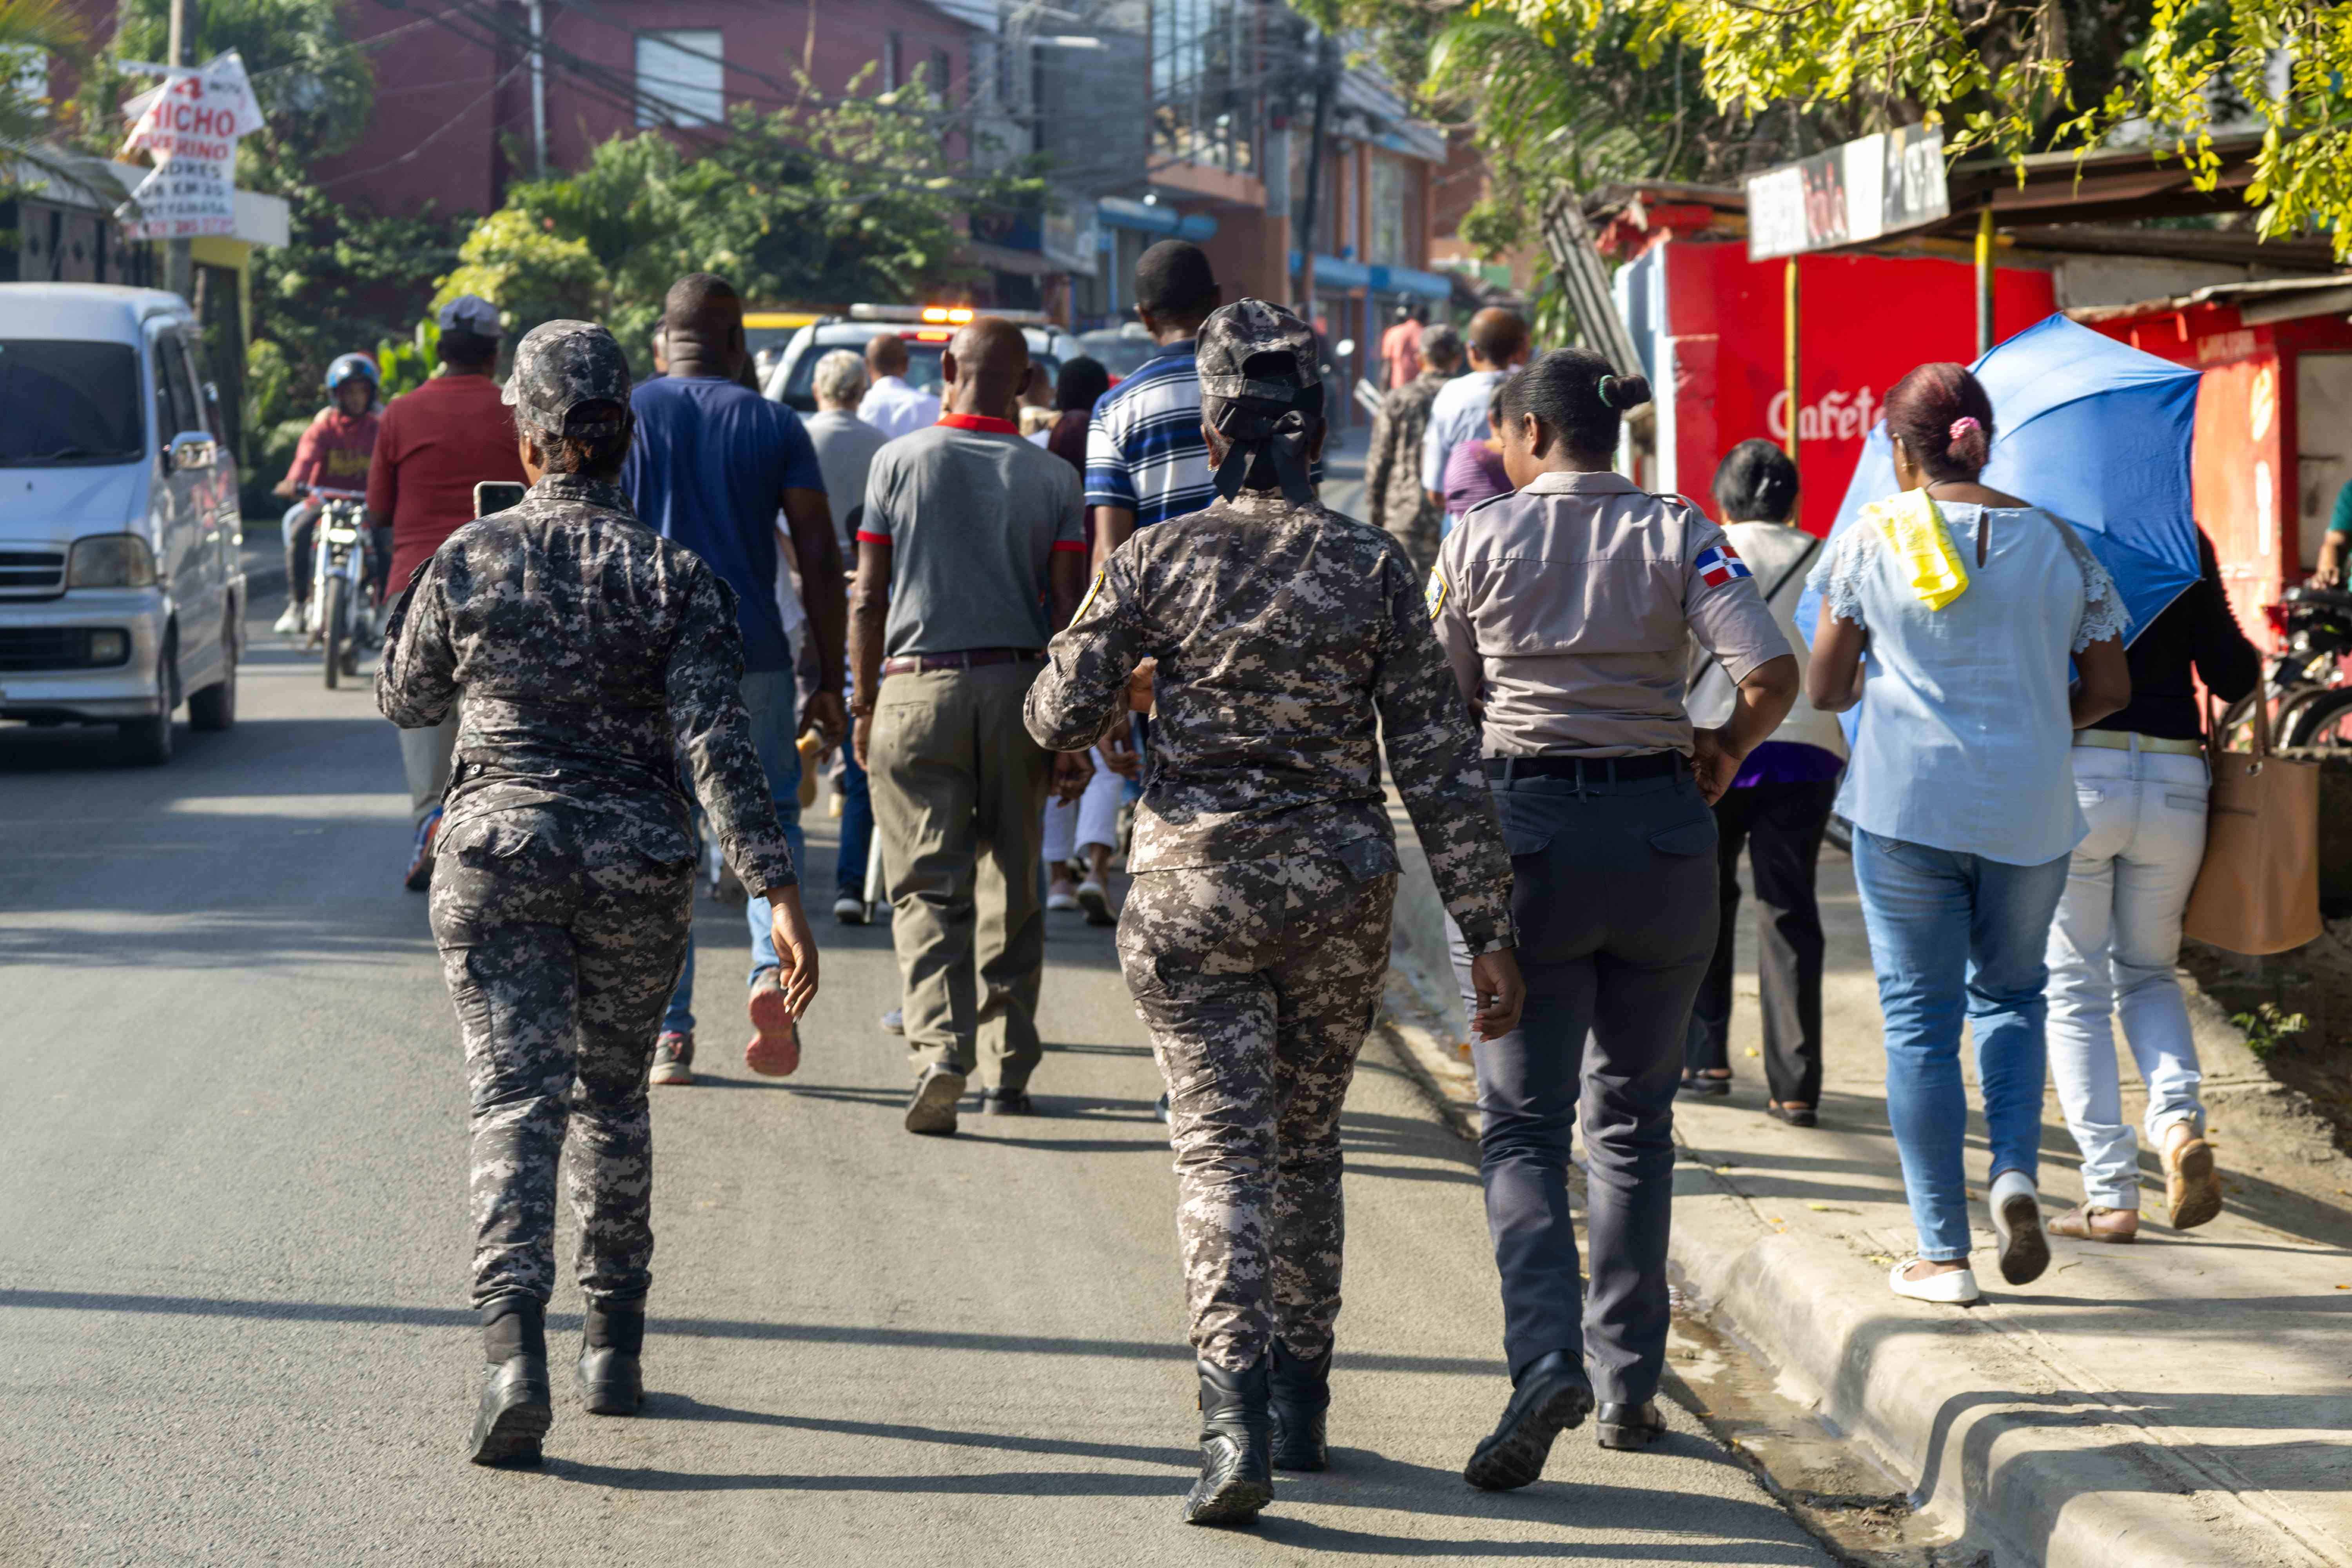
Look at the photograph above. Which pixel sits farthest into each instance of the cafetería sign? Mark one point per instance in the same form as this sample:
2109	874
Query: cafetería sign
1876	185
189	125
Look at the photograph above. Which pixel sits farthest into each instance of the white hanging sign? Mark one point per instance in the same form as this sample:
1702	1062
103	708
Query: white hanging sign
189	125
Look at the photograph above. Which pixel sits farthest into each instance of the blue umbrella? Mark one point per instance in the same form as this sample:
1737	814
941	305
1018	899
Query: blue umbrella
2094	430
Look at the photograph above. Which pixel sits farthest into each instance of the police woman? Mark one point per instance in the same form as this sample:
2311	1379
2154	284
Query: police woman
582	642
1565	610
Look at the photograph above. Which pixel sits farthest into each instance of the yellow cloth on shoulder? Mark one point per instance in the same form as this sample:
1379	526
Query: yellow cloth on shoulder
1915	531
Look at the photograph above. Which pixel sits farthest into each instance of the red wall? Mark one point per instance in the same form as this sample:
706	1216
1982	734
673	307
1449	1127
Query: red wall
1865	320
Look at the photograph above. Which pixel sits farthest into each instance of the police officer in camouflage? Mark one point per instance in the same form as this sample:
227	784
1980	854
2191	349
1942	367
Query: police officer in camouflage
1282	642
582	642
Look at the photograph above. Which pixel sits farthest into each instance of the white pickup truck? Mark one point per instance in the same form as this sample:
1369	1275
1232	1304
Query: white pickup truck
121	585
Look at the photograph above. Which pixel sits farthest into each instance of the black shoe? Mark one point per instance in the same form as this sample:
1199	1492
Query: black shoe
1237	1435
1794	1115
1700	1083
1620	1425
611	1373
517	1406
1006	1102
1298	1393
1552	1396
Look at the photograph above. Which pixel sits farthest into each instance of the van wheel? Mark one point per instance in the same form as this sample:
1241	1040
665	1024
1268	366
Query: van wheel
147	743
214	707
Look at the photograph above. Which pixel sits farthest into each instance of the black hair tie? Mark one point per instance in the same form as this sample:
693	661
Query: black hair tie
1253	425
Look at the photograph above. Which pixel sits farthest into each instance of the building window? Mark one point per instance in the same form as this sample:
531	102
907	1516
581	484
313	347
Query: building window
681	78
894	62
938	83
1203	103
1395	215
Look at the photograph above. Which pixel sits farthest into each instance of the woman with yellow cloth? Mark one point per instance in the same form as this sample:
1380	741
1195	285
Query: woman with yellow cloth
1950	613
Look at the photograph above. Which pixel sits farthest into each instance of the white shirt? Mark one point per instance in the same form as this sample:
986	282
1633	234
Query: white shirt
1457	413
896	409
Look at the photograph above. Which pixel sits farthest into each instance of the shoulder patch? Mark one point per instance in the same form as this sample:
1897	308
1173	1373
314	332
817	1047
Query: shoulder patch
1089	602
1434	595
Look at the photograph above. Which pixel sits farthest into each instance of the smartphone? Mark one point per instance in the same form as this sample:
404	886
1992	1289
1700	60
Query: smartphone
497	495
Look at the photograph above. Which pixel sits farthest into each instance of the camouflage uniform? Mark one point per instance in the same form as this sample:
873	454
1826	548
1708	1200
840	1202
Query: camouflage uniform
1392	491
583	642
1288	639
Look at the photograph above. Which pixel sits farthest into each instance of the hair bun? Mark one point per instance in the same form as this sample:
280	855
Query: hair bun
1624	392
1969	447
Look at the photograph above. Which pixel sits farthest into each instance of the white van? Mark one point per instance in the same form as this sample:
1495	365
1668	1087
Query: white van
121	585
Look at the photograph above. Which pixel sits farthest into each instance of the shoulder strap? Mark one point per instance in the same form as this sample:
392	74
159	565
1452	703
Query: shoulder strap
1794	571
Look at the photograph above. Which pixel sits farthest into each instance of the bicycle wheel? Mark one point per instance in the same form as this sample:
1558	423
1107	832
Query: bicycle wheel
2325	720
336	618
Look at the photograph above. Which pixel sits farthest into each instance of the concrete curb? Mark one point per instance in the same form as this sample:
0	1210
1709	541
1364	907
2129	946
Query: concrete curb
2005	1441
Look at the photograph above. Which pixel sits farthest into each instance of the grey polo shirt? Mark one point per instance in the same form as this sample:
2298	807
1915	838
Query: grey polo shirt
845	446
1567	608
972	514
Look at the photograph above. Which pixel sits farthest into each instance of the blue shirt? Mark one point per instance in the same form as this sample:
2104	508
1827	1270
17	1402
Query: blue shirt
708	468
1964	741
1144	448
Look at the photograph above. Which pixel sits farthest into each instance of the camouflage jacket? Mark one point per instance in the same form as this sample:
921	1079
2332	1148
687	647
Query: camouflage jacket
1392	491
590	652
1289	641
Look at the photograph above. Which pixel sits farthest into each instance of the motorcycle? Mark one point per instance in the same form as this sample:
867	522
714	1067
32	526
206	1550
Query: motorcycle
2305	683
338	615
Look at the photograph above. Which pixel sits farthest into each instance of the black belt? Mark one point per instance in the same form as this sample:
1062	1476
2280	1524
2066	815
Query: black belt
970	658
1584	770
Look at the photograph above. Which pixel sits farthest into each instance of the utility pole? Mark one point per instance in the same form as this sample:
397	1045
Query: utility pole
179	265
1326	70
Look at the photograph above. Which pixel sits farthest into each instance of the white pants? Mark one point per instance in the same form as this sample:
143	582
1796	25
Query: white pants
1092	820
2112	950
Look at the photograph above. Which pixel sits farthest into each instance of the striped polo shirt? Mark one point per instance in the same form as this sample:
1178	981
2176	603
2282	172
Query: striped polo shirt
1144	450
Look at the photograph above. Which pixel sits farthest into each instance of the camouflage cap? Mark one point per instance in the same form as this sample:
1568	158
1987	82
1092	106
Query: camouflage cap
1232	336
561	364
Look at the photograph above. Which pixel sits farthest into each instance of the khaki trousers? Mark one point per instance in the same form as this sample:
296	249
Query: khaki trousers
424	759
959	791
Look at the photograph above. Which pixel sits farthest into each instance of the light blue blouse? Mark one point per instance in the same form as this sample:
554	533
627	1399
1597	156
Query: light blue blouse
1963	741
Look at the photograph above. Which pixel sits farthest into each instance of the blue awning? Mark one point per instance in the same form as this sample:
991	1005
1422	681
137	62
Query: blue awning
1337	272
1118	212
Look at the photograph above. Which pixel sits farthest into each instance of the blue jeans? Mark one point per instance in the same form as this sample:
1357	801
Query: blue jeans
1955	935
857	828
773	704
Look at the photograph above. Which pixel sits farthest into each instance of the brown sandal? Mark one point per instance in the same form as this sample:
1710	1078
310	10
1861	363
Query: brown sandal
2192	1187
2089	1222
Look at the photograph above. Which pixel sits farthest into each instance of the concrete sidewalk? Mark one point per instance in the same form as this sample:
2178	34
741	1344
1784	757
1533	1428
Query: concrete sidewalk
2181	1400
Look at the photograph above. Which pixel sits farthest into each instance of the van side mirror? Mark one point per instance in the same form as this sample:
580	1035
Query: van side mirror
190	450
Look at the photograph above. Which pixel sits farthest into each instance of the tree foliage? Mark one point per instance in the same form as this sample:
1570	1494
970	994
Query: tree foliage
832	200
31	30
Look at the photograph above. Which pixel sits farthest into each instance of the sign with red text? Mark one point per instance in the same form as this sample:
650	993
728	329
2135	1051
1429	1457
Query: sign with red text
1866	188
190	125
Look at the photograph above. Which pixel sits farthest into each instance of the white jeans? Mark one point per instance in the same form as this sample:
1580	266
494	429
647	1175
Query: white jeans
1092	820
2112	950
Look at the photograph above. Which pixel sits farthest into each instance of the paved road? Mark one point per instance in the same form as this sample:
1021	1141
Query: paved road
233	1251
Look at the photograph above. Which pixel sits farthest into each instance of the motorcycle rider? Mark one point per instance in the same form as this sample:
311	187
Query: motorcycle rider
333	455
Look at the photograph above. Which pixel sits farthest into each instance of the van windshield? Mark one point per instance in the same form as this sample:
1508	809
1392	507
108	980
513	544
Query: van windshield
64	404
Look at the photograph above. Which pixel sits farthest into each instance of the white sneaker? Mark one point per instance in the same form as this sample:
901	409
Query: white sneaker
290	623
1954	1288
849	912
2017	1226
1059	897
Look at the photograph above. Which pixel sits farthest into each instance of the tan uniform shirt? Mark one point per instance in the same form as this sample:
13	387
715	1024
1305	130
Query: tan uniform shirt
1566	609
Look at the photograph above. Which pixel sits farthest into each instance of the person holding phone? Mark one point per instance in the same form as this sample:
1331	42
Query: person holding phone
580	652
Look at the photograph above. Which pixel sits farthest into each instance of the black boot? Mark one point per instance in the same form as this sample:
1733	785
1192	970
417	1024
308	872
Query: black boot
1236	1433
1552	1396
1299	1393
1628	1425
612	1338
517	1406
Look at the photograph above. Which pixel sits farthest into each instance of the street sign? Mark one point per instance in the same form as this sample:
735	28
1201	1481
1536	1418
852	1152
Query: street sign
189	125
1879	185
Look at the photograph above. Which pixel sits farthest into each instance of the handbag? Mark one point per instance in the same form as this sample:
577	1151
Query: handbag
2258	889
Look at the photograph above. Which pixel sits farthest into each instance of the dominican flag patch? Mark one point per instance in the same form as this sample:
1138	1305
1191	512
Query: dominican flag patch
1718	565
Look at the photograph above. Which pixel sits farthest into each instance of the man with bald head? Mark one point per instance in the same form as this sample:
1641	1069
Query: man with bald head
968	533
1499	345
891	403
714	465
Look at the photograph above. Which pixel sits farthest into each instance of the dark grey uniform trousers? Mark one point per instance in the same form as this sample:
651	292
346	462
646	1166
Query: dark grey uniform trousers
1614	895
562	946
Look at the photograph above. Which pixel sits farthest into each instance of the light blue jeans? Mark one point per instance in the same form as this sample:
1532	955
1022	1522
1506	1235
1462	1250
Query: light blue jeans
2112	950
1955	936
772	700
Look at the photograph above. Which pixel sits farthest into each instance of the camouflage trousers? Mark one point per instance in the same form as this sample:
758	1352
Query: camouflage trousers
560	945
1258	980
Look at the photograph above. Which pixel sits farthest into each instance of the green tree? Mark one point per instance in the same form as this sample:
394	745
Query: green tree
32	31
835	199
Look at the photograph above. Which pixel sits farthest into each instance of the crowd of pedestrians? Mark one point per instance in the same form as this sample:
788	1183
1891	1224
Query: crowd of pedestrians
1587	695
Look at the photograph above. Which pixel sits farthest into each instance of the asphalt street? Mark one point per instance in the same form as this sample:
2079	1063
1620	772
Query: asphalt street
233	1245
